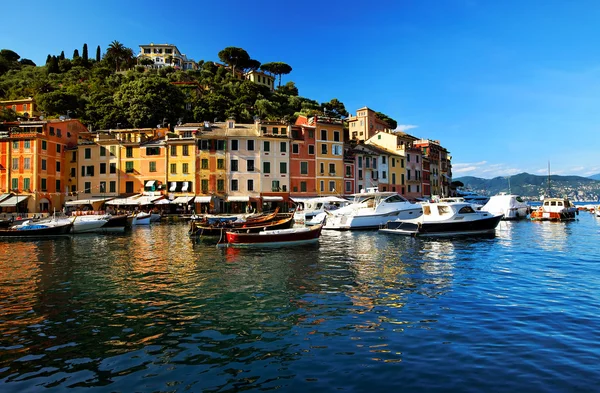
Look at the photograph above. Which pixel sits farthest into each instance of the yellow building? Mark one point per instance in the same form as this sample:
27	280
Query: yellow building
181	165
211	172
365	124
166	55
329	134
274	162
261	78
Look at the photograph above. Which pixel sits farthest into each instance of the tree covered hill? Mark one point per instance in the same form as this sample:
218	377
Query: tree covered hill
116	89
532	186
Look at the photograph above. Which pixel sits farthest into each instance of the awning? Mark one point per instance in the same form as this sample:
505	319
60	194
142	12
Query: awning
150	183
202	199
4	196
162	202
272	198
238	199
133	200
13	200
90	201
302	199
147	199
183	199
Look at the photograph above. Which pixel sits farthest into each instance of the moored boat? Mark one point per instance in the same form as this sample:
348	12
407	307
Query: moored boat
37	231
555	209
279	221
512	206
274	238
142	218
446	219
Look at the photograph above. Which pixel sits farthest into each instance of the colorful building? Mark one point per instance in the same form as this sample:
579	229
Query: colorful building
303	162
365	124
275	163
439	166
166	55
24	107
181	167
34	161
211	174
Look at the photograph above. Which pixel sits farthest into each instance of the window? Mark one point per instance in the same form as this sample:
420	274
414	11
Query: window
113	150
374	162
304	167
26	183
220	164
348	187
57	148
302	186
220	185
275	131
295	148
87	153
367	162
266	146
16	145
250	185
129	167
408	159
323	135
266	167
337	150
393	162
15	184
27	145
234	165
51	130
89	170
73	174
336	136
152	151
331	186
383	159
102	168
204	144
205	163
129	187
250	144
323	148
173	168
408	174
102	151
332	169
102	186
26	163
234	144
234	185
311	134
322	167
360	162
204	185
283	147
43	164
112	186
393	178
250	165
185	168
283	167
44	145
221	144
74	156
129	152
113	167
322	186
360	174
283	131
275	186
348	171
152	166
57	166
44	186
173	151
383	174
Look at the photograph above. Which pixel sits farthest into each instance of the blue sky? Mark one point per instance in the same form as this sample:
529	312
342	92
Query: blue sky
506	86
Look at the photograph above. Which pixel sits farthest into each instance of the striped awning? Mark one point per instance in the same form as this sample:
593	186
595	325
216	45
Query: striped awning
13	200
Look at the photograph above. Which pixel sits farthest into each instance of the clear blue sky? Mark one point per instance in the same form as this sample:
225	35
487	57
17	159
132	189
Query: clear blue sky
506	86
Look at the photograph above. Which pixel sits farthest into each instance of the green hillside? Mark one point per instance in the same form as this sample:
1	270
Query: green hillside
532	186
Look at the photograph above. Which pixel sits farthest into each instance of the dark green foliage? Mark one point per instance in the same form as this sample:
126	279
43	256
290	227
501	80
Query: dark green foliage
98	54
27	62
75	54
334	108
53	66
234	57
391	122
277	68
62	55
84	54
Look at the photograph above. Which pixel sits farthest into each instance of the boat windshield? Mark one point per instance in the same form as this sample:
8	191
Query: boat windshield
466	210
395	198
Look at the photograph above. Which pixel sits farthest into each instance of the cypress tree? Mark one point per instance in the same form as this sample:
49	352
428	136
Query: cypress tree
84	54
75	53
98	53
62	55
53	66
48	59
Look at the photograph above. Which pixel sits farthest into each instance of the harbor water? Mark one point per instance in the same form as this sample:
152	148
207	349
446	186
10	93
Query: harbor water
152	311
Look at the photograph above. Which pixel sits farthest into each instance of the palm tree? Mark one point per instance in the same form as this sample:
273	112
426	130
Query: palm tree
116	53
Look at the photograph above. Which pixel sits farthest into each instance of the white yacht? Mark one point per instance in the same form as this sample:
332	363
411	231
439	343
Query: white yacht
512	206
371	209
312	211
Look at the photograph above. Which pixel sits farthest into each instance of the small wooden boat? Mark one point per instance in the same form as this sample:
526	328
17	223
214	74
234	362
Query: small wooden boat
274	238
142	218
281	221
37	231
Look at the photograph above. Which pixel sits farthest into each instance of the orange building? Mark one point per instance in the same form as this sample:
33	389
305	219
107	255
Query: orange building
25	107
34	162
303	162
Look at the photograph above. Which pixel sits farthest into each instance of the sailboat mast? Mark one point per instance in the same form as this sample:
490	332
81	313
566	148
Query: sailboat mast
548	192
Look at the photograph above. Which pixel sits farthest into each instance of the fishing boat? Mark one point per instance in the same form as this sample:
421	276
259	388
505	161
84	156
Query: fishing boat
37	231
274	238
446	219
142	218
512	206
555	209
371	209
312	211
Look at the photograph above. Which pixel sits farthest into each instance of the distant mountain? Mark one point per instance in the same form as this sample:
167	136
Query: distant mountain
577	188
595	177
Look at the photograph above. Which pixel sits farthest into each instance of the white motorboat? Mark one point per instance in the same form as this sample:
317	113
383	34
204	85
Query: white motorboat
446	219
512	206
555	209
312	211
371	209
81	224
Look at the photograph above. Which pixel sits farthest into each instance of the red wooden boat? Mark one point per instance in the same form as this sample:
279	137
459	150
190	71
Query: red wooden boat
280	221
275	238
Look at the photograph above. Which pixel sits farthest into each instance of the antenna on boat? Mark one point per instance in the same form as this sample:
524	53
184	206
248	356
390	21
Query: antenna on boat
548	191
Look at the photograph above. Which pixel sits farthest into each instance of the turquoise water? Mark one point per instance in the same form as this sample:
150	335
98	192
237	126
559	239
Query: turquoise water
153	311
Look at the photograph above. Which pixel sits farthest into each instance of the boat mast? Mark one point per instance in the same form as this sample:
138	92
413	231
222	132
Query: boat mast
548	191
